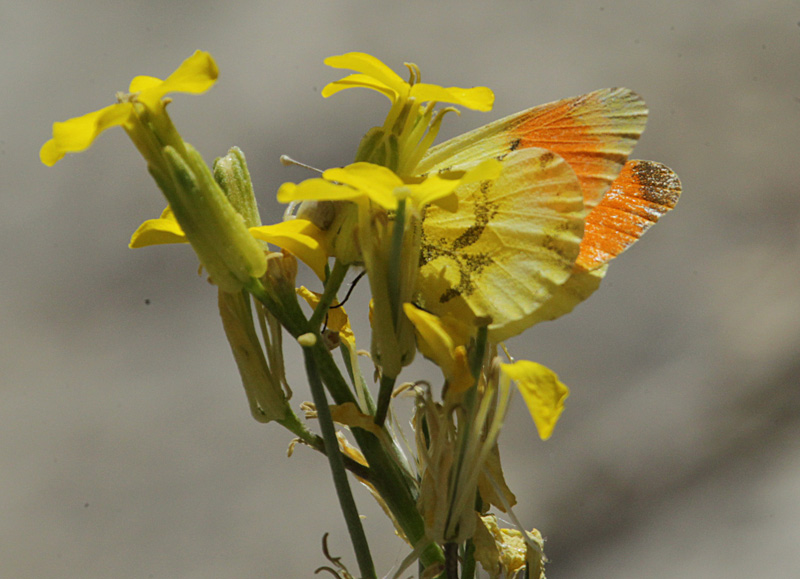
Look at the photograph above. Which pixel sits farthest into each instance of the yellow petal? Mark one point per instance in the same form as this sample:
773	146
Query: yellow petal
440	189
195	75
348	414
376	182
78	133
161	231
349	183
338	320
442	344
304	239
371	67
436	190
142	82
358	80
316	190
543	393
479	98
436	343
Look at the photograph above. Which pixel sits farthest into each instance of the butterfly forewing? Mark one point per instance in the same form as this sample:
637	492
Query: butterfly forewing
594	133
511	243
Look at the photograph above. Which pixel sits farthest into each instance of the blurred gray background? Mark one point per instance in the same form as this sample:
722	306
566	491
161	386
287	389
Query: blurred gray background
126	446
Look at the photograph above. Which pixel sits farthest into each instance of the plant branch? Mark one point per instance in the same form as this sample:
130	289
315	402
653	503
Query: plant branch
336	462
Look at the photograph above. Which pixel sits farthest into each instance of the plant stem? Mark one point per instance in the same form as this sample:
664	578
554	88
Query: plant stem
395	261
288	313
332	285
340	481
384	398
293	424
451	560
395	485
468	561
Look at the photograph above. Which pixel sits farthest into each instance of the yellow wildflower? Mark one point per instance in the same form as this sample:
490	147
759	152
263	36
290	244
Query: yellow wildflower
412	124
298	236
366	181
375	75
195	75
444	341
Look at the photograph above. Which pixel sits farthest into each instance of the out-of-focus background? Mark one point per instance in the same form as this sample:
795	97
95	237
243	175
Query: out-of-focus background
126	446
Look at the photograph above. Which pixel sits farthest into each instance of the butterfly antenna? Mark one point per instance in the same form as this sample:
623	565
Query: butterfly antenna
350	290
287	161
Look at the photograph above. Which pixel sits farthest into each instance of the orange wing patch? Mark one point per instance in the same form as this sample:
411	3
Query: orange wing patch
594	133
643	192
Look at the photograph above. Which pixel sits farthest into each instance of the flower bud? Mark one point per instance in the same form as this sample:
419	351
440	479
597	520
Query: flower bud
215	229
233	176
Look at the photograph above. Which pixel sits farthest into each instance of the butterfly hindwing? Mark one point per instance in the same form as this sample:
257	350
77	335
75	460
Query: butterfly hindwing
643	193
511	243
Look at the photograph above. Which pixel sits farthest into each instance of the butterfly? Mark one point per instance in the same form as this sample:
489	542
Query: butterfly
531	245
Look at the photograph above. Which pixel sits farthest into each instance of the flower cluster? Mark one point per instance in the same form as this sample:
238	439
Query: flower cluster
464	244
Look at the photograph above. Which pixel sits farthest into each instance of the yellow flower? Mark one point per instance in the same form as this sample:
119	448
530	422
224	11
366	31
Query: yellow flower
375	75
444	341
366	181
380	228
412	124
337	320
161	231
543	392
300	237
196	75
210	223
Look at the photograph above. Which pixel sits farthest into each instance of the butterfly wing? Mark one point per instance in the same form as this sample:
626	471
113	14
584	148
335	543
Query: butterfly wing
510	245
594	133
638	198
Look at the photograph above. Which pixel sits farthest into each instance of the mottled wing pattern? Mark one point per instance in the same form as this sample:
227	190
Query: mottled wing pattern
638	198
594	133
510	245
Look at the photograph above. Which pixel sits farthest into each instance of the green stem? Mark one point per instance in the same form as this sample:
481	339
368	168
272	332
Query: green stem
293	424
394	484
332	285
395	261
468	561
340	482
384	398
470	399
451	560
287	313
